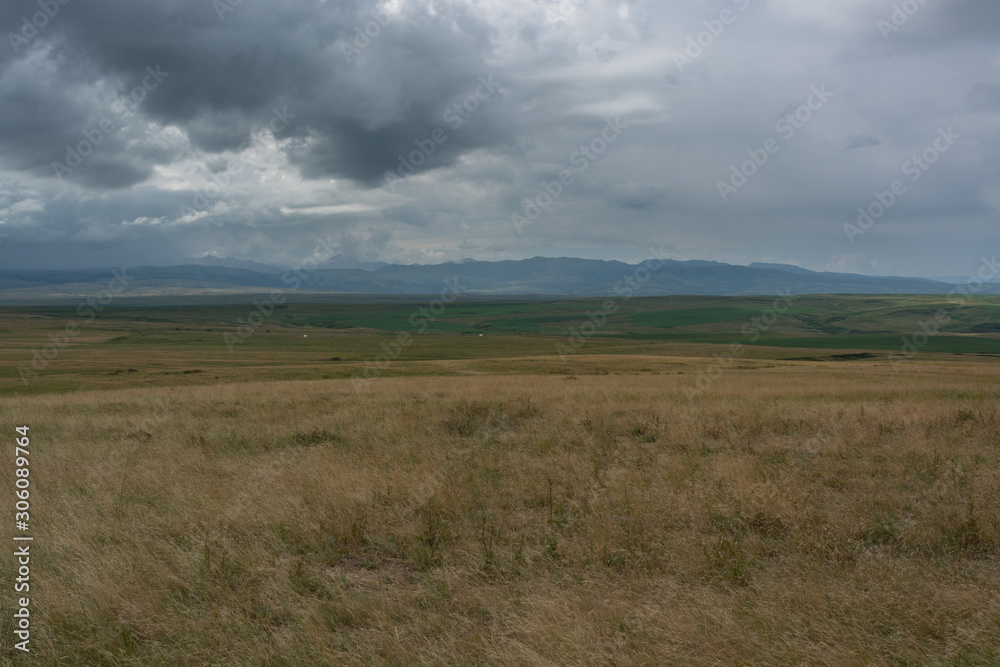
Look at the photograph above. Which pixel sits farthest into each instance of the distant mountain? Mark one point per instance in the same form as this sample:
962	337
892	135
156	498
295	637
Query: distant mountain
961	280
791	268
344	262
536	276
335	262
232	263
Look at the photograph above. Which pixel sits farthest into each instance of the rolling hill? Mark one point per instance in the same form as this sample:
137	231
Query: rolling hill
535	276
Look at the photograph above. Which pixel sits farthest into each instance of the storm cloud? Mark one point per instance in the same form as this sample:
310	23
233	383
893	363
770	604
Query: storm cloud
429	131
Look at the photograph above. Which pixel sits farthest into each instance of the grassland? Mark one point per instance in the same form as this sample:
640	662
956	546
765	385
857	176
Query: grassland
484	501
176	344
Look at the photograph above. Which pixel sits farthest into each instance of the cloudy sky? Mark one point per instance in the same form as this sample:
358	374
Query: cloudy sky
145	131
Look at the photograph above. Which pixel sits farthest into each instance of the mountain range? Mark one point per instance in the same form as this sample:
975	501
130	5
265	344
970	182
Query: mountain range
335	262
536	276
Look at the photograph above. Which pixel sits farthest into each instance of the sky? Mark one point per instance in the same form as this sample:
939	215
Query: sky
838	135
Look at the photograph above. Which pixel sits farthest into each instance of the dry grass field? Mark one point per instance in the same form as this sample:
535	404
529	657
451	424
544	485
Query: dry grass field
795	513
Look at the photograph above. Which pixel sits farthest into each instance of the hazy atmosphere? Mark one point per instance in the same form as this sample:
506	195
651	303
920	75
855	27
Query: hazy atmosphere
422	132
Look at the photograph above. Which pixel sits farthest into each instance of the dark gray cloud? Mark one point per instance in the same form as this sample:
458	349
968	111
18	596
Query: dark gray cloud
252	130
860	141
353	110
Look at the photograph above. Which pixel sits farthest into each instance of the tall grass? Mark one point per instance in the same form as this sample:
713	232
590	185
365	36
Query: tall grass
791	515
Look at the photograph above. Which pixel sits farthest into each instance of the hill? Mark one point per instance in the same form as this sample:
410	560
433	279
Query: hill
536	276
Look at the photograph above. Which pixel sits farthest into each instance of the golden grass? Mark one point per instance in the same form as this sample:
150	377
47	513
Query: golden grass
794	514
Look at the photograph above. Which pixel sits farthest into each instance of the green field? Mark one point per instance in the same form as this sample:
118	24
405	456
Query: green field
168	343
